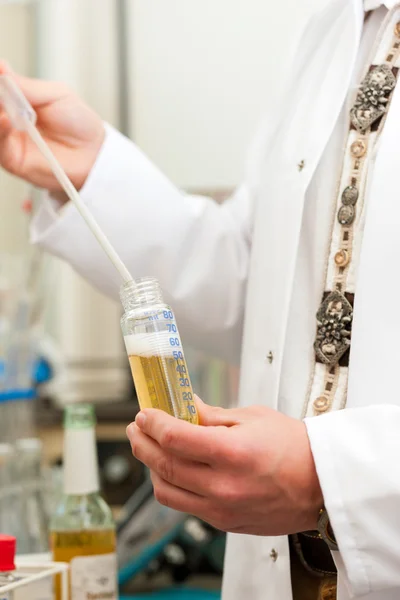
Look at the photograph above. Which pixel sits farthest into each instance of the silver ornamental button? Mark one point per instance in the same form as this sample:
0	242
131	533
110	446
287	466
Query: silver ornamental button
346	215
334	319
350	195
373	97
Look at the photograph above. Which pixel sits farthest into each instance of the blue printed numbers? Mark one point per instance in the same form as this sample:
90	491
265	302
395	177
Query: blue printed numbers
188	398
181	368
168	314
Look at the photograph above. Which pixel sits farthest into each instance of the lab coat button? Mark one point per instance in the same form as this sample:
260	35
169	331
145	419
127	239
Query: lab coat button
397	29
301	165
273	555
270	357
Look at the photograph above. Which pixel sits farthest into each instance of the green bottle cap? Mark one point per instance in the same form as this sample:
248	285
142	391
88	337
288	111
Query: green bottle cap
79	416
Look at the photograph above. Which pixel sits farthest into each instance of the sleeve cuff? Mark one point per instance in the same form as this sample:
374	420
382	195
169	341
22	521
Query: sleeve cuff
52	212
324	433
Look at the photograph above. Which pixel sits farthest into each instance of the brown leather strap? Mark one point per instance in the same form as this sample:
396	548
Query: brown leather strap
307	585
314	553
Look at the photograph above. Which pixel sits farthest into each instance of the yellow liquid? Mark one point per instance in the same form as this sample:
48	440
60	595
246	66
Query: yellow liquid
66	545
163	382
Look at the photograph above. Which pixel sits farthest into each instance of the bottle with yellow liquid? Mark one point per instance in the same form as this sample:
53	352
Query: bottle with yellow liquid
155	351
82	529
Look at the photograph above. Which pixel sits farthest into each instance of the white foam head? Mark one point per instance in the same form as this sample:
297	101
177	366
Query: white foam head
150	344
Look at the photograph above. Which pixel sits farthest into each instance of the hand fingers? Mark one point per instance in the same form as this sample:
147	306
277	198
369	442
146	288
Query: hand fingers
5	125
191	442
5	67
215	416
191	476
37	91
179	499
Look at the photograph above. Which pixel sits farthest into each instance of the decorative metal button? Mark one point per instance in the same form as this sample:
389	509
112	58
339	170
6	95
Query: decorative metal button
358	148
334	319
346	215
397	29
373	97
342	258
350	195
321	404
273	554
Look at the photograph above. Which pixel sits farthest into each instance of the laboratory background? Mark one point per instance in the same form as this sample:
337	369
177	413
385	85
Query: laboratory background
189	81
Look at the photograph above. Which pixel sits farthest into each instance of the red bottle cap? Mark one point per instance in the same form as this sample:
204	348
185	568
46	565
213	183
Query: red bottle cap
7	553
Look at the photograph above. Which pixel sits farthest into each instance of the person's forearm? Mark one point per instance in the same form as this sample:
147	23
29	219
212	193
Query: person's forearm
197	249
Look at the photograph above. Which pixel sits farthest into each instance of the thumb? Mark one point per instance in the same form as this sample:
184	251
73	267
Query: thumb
37	91
217	416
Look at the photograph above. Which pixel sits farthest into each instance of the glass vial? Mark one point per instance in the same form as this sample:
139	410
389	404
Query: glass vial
155	351
82	528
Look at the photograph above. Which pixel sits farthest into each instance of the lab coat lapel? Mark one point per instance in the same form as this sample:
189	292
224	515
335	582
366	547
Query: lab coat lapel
321	78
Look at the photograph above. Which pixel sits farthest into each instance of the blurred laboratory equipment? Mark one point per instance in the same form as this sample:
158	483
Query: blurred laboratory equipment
82	527
154	347
23	503
28	577
19	291
7	564
23	495
33	497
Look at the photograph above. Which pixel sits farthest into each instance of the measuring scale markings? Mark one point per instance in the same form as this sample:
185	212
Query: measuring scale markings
159	367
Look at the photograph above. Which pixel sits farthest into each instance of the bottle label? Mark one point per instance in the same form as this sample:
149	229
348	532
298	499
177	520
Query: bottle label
94	577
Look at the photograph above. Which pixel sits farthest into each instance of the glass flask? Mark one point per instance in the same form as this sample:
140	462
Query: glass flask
155	352
82	529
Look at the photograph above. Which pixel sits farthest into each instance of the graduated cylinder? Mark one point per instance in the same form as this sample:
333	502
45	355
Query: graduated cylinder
155	351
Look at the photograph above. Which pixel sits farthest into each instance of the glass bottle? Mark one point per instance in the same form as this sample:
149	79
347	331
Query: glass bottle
82	530
7	566
155	352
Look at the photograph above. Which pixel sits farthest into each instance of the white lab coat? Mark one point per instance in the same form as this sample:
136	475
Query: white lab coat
201	254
